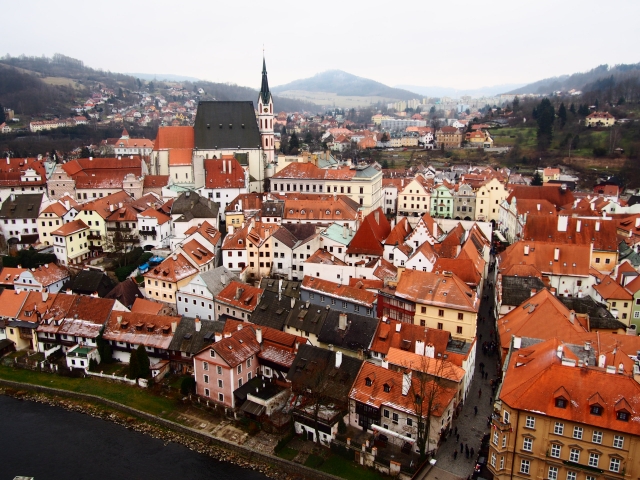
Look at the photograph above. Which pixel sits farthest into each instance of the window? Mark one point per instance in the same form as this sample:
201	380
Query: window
441	313
423	309
571	475
561	402
553	473
344	305
220	397
527	444
385	413
618	441
440	326
594	459
205	366
206	378
493	460
524	466
614	465
574	455
220	383
206	392
558	429
239	382
506	416
577	433
595	410
239	369
409	422
530	422
501	463
394	418
495	437
459	330
504	441
249	363
219	370
622	415
460	316
597	437
555	450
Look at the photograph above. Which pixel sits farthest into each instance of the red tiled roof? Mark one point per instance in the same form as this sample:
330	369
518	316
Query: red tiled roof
70	228
224	173
431	288
172	270
140	329
154	181
369	238
404	335
174	137
180	156
554	194
609	289
240	295
602	233
362	296
572	259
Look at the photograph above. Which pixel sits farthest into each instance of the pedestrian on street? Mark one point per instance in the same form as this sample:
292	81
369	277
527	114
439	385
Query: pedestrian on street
479	392
457	437
466	451
475	410
456	430
455	454
461	448
471	452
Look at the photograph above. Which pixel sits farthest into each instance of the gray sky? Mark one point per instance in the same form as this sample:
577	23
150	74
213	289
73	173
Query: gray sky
460	44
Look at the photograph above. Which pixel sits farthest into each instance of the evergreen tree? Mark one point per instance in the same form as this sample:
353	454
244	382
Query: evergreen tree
3	117
516	104
308	138
294	142
85	152
537	180
545	118
620	102
144	365
562	115
572	109
134	365
597	104
104	348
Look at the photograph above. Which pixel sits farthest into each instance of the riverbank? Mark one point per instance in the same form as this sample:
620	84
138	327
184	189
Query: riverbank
160	428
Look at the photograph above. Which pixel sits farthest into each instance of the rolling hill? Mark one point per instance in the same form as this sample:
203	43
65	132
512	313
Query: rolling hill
344	84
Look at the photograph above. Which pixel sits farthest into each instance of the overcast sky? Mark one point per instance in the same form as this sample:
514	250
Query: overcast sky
461	44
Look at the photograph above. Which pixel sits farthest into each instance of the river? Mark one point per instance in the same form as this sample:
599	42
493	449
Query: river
50	443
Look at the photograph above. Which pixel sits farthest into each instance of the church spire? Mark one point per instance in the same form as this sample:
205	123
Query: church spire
264	89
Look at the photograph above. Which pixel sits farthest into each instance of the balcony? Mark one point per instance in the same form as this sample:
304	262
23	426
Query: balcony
500	425
146	233
119	229
94	236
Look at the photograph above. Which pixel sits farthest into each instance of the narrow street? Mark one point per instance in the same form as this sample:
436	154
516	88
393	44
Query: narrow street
472	426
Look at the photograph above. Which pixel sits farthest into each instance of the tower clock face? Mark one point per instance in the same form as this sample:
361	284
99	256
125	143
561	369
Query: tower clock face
265	109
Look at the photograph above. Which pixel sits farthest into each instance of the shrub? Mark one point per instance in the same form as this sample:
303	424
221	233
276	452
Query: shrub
123	272
188	386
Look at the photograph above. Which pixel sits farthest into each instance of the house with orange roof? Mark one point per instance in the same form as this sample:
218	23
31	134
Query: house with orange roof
488	199
237	300
22	175
155	228
225	179
338	296
426	230
126	145
10	275
198	254
188	210
561	412
599	119
563	267
391	403
396	250
11	302
407	337
48	277
168	139
442	300
54	215
618	299
243	207
368	242
162	282
70	243
391	187
321	210
514	215
422	258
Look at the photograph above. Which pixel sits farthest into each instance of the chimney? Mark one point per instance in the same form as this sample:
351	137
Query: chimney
223	279
45	295
572	316
175	257
556	254
67	205
342	321
293	302
406	383
259	335
198	324
420	350
526	249
224	166
602	360
91	159
385	364
538	205
238	293
578	226
597	225
344	231
376	215
517	342
111	207
430	350
239	327
338	359
119	319
174	326
559	351
217	336
8	161
620	368
435	229
563	222
637	222
230	229
229	166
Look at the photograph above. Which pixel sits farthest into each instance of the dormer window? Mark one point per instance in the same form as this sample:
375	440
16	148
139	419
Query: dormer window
622	415
561	402
387	388
595	410
368	382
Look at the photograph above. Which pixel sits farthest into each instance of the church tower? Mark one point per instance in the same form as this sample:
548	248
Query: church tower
265	118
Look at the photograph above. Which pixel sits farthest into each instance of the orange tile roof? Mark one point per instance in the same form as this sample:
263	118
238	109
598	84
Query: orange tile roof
362	296
56	208
180	156
207	230
142	305
172	269
152	212
125	214
420	363
399	232
602	233
224	173
153	181
404	337
442	289
70	228
198	253
554	194
462	267
572	259
310	172
369	238
11	302
102	205
609	289
535	207
140	329
321	208
174	137
376	396
535	377
240	295
8	275
49	273
235	349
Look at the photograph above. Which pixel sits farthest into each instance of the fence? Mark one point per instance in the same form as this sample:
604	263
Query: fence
111	377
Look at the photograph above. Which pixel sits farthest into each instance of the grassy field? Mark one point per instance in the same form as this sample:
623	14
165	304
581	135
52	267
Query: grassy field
125	394
341	467
62	81
287	453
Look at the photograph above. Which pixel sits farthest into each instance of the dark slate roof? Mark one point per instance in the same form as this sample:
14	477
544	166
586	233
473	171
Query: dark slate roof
599	316
301	231
313	362
218	279
357	336
272	209
307	317
125	292
264	88
633	199
186	339
192	205
290	288
628	253
265	386
219	125
22	206
272	311
90	281
515	290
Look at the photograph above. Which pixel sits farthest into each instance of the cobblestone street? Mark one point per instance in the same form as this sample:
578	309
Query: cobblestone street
472	426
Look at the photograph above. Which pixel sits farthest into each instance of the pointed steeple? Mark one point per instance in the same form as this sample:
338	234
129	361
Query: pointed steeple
264	89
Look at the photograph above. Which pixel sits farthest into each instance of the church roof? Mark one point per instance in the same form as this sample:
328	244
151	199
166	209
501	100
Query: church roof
264	89
226	125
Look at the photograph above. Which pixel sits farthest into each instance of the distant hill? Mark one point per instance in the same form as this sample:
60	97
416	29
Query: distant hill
580	81
345	84
168	77
435	91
